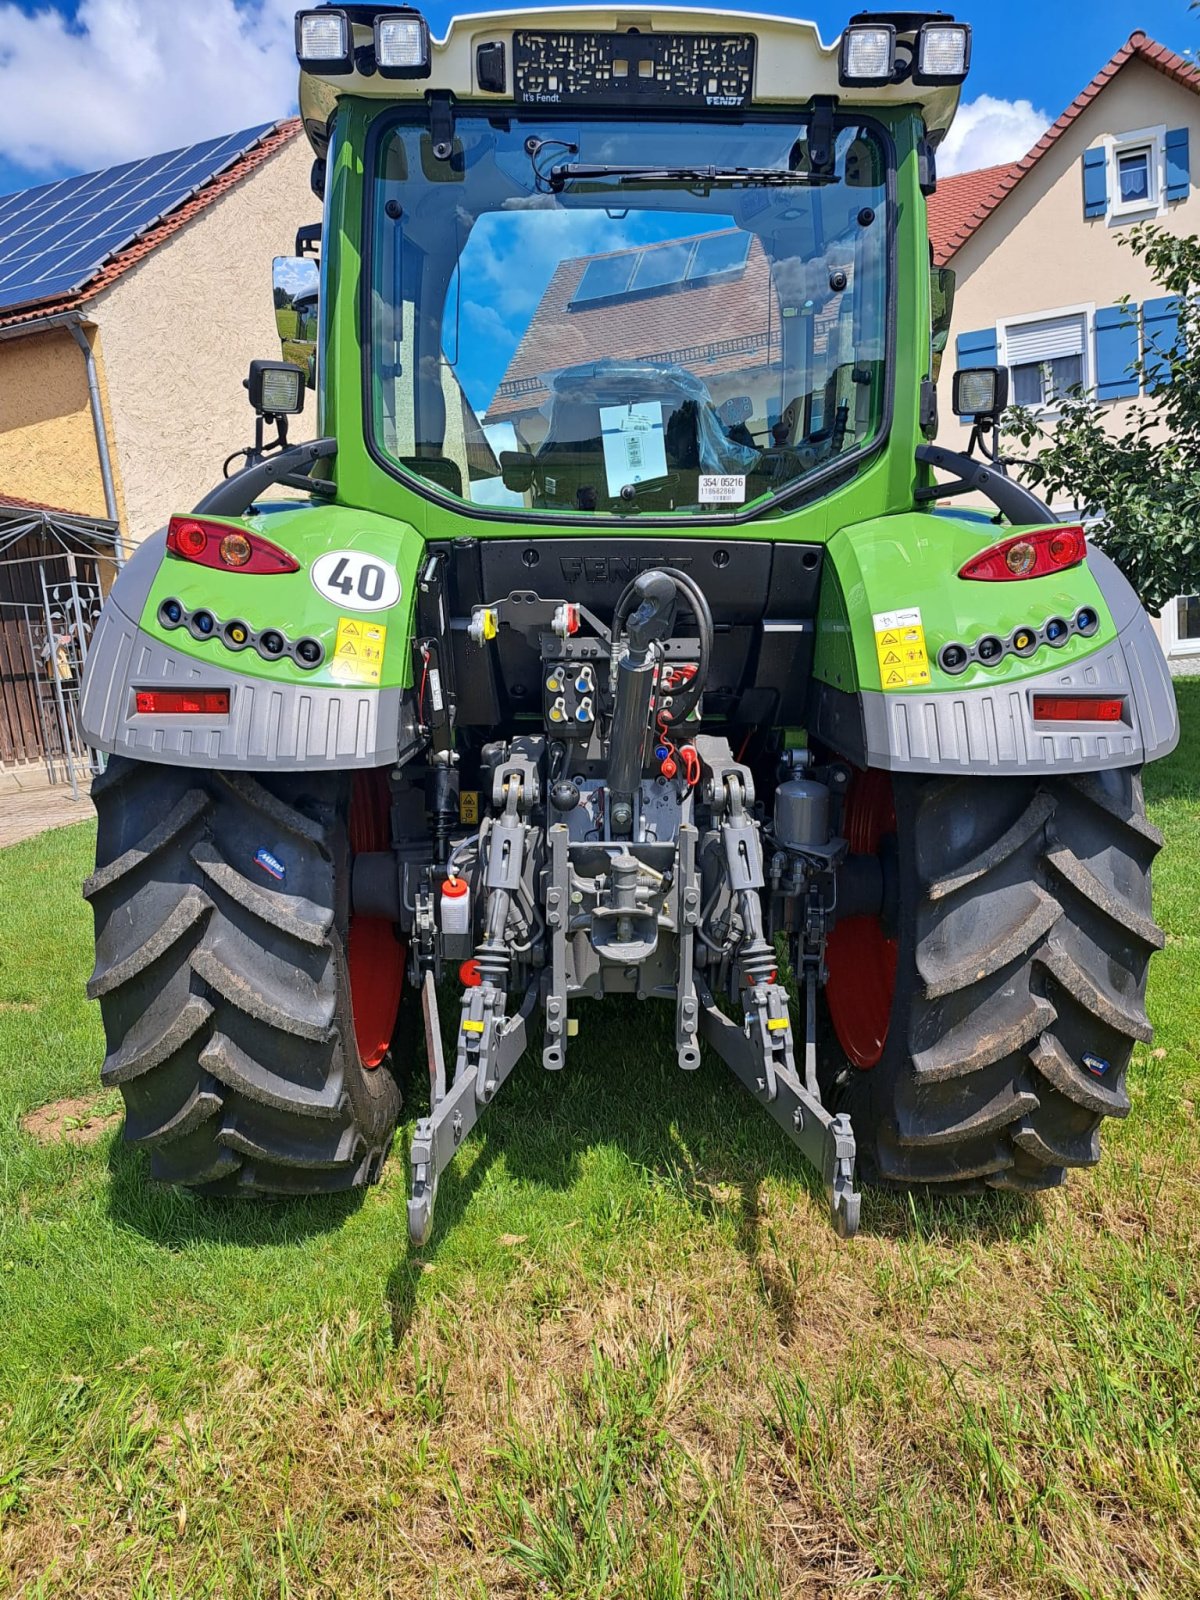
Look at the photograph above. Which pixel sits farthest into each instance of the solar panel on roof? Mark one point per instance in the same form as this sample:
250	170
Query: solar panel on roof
718	253
689	261
55	238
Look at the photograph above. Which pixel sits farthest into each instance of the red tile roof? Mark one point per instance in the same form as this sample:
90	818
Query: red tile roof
978	202
10	502
721	327
124	260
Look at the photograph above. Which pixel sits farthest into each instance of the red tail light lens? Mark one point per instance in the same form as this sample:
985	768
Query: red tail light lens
1077	708
1028	555
215	544
183	702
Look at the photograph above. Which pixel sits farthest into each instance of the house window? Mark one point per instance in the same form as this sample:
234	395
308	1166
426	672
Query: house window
1047	358
1137	161
1133	177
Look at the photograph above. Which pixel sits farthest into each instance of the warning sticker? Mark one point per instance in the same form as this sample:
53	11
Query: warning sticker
358	651
900	647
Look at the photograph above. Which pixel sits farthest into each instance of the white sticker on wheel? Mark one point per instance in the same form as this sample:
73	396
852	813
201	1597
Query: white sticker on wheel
355	580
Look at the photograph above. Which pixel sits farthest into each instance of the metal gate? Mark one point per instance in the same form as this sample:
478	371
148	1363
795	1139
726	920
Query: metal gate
52	582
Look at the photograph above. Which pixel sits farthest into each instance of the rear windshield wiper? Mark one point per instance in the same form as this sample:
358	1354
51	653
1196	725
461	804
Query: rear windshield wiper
575	172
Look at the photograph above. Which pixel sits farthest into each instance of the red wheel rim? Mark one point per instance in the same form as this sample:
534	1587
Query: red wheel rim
860	957
375	956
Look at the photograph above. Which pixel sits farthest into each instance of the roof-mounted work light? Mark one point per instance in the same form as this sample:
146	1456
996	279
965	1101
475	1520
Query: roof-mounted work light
402	46
868	55
324	41
943	53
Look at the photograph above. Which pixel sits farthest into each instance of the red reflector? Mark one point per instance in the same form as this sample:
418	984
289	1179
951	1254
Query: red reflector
215	544
1076	708
183	702
1028	555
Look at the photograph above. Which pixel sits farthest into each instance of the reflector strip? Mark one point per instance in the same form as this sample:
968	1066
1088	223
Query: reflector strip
1077	708
183	702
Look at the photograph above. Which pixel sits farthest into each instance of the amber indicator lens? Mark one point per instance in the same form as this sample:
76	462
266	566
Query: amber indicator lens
183	702
1077	708
1020	558
235	550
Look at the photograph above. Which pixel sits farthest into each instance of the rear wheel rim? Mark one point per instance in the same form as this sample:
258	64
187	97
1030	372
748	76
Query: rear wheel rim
375	957
860	957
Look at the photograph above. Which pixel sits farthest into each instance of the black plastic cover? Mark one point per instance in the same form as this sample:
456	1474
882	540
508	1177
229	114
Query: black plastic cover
713	70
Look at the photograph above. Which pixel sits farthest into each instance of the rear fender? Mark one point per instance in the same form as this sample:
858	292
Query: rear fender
350	711
891	599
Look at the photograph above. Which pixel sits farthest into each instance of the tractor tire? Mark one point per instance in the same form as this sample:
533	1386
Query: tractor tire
988	1016
222	910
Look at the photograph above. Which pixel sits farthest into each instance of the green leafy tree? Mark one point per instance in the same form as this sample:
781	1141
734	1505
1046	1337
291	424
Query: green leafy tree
1143	485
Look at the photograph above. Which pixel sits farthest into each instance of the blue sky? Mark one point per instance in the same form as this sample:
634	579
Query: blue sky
87	83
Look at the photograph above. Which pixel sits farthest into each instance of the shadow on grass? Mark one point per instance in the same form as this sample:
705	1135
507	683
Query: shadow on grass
699	1133
174	1218
1178	777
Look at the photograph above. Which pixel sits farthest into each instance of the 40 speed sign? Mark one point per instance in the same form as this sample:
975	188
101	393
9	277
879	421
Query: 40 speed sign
355	580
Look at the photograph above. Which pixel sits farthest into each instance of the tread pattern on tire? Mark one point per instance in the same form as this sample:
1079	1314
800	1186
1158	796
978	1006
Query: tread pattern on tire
1025	930
225	995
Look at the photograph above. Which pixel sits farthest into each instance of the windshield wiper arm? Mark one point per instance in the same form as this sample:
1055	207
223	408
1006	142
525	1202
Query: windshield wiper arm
576	171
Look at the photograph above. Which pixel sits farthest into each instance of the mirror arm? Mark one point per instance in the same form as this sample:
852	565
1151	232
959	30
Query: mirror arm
293	466
1017	503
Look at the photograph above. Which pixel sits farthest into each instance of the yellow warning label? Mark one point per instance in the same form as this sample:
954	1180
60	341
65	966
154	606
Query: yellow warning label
472	1027
900	647
775	1024
358	651
468	806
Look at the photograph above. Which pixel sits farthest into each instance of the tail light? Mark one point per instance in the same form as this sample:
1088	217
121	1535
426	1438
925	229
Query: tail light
216	544
1078	708
1028	555
182	702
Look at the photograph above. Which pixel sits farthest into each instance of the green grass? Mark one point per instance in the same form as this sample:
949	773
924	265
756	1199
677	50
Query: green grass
634	1361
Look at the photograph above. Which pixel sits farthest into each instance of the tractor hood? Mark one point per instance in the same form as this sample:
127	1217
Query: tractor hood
564	58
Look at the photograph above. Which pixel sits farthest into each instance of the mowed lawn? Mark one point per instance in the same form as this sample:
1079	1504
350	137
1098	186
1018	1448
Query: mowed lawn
634	1361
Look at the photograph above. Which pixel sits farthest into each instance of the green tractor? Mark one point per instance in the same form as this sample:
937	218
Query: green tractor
613	637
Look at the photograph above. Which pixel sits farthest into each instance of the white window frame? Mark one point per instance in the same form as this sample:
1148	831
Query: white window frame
1173	645
1087	312
1121	212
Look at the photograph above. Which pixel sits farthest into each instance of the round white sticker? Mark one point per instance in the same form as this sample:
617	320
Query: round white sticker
355	580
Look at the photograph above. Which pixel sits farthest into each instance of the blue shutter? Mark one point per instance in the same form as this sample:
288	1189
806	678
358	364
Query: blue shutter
1160	333
1179	180
976	349
1116	352
1095	182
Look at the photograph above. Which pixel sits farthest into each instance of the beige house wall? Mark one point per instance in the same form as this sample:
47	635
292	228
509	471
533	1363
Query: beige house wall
47	442
180	331
1037	252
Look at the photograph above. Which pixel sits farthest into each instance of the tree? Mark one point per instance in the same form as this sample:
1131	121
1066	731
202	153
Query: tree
1142	485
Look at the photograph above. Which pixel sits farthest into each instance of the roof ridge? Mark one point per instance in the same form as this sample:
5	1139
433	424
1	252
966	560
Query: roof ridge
1139	44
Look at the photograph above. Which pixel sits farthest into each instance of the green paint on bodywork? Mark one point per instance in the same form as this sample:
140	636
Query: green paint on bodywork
288	601
913	559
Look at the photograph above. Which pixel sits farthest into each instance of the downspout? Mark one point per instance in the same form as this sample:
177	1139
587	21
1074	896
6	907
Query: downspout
101	432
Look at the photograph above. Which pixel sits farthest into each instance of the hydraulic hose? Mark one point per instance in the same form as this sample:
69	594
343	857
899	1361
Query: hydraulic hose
685	701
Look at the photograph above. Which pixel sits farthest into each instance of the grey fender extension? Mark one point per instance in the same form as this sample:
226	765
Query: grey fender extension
991	729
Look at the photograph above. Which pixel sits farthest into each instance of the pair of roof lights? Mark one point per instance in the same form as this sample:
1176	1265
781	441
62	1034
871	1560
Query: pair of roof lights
325	44
871	56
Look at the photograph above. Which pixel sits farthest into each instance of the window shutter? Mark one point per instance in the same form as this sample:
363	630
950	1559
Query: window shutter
1160	335
1046	340
976	349
1095	182
1116	352
1178	176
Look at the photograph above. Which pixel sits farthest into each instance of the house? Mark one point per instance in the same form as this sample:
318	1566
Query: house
132	301
1039	249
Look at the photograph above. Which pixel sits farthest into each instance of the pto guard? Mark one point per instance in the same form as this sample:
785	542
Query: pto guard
280	717
894	582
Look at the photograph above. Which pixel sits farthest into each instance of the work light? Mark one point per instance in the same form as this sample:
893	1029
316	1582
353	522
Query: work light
943	53
324	41
980	391
276	388
402	46
868	55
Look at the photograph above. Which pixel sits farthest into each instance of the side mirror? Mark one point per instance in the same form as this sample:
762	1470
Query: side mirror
981	393
516	471
942	283
297	281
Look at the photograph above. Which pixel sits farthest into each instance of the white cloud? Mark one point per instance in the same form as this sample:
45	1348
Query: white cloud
129	78
988	131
